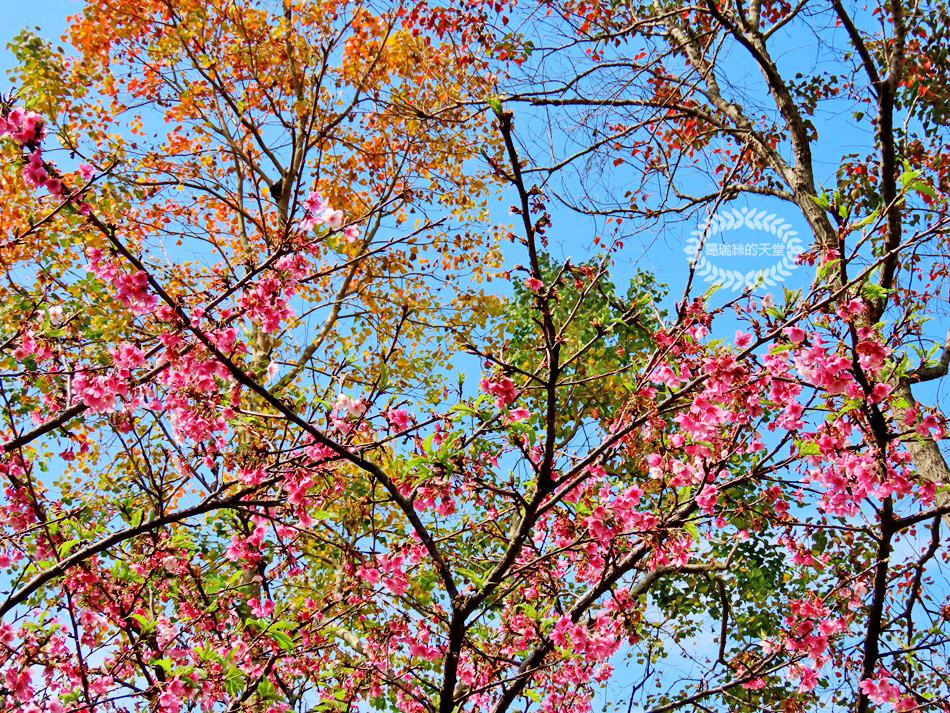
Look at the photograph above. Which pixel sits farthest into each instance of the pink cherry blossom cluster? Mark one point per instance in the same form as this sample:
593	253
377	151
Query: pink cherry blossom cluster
266	303
850	476
389	569
248	548
261	608
19	512
611	515
100	392
826	370
126	357
346	406
809	625
521	632
883	691
318	212
132	290
784	391
418	645
296	484
436	493
24	127
30	346
347	413
19	683
194	396
586	650
170	701
502	388
36	174
399	419
676	550
596	643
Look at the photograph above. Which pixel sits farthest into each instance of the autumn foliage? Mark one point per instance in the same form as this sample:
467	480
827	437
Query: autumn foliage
295	420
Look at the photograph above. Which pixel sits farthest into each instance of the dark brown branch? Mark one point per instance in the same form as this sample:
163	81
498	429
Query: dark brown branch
874	630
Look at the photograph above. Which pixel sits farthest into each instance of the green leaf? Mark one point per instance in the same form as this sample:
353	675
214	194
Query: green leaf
921	187
690	527
67	546
711	291
463	408
234	681
448	445
825	269
146	624
908	175
874	291
206	653
476	578
267	690
822	201
870	218
283	640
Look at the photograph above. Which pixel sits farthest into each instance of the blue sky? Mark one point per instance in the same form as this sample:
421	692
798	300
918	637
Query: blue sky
49	15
